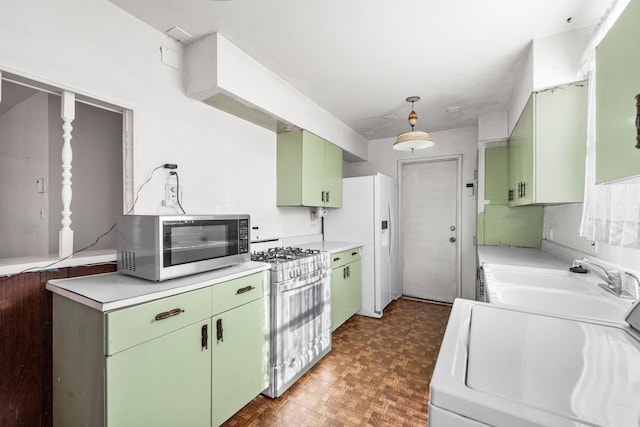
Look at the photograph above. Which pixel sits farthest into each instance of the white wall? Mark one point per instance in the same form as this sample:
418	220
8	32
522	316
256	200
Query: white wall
383	159
557	58
550	61
24	157
94	48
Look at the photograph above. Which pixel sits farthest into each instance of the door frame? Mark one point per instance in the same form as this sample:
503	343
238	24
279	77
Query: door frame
458	264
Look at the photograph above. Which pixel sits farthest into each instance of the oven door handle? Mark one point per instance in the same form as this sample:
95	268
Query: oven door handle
309	282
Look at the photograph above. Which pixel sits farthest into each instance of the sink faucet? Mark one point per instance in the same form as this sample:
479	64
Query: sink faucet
611	277
636	289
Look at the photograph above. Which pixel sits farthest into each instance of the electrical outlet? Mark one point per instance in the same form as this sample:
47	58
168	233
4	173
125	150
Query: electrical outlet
170	195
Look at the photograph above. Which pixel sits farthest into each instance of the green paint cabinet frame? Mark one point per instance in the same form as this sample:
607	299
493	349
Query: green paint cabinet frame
111	370
547	148
617	84
309	171
346	286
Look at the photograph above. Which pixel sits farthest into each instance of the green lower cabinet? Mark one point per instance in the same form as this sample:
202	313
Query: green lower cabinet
191	359
353	302
337	298
240	359
162	382
346	286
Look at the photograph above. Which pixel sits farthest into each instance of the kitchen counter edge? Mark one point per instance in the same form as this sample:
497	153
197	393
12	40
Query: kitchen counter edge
332	247
112	291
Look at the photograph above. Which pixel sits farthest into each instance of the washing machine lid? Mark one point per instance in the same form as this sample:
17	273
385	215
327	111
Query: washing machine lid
515	367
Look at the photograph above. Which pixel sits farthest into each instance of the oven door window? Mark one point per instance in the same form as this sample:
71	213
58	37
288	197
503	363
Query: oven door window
193	241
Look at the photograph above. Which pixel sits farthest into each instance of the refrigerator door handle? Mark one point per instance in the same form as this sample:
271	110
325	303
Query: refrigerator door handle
391	223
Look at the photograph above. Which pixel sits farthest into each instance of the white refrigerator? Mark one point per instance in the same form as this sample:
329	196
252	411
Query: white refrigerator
369	215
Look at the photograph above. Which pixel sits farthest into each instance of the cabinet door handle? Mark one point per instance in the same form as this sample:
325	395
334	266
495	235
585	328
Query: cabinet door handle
170	313
510	194
245	289
344	273
524	189
219	331
348	272
323	196
205	337
327	197
638	121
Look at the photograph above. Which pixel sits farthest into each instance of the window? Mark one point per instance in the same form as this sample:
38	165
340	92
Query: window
31	167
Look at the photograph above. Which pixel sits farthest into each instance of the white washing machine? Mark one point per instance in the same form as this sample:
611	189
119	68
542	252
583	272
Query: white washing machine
500	366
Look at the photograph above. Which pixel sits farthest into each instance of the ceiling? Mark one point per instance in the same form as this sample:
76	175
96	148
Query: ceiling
360	59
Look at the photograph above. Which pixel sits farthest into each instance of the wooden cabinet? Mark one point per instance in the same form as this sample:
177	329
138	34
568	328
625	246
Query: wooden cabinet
617	85
346	286
547	148
190	359
309	171
239	344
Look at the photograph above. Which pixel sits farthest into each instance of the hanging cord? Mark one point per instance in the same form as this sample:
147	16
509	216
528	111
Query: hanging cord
178	190
94	243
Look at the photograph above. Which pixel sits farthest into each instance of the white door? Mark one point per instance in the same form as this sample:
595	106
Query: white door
429	217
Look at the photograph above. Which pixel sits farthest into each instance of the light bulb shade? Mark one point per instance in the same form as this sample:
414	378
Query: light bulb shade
414	140
413	118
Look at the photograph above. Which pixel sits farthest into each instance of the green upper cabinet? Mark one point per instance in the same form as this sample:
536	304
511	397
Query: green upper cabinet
547	148
309	171
617	84
496	173
499	224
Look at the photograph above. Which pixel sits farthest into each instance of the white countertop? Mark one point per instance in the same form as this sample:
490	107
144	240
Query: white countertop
331	246
110	291
525	257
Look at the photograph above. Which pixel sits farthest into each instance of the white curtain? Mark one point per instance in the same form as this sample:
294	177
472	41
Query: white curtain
611	212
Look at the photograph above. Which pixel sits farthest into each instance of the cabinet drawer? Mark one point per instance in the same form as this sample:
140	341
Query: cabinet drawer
134	325
234	293
345	257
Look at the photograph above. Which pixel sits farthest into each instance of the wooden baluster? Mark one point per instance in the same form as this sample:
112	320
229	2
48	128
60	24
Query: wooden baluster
68	113
127	130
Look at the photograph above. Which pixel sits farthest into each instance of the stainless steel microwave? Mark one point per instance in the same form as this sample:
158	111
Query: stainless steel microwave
160	247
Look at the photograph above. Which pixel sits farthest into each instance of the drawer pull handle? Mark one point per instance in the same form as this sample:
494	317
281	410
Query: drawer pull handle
354	253
170	313
245	289
205	337
336	259
219	330
638	121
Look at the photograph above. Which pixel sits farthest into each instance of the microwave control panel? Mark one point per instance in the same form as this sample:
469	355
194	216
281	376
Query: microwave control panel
243	236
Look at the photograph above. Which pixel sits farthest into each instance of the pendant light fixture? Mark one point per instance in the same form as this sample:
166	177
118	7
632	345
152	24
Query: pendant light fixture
415	139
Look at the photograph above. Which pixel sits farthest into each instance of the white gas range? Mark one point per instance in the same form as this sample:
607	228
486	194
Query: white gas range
503	366
300	312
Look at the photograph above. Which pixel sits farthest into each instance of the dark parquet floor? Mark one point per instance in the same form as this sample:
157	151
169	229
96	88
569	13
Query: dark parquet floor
377	374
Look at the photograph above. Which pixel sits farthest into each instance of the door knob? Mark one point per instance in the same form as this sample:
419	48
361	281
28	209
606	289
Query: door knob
452	239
